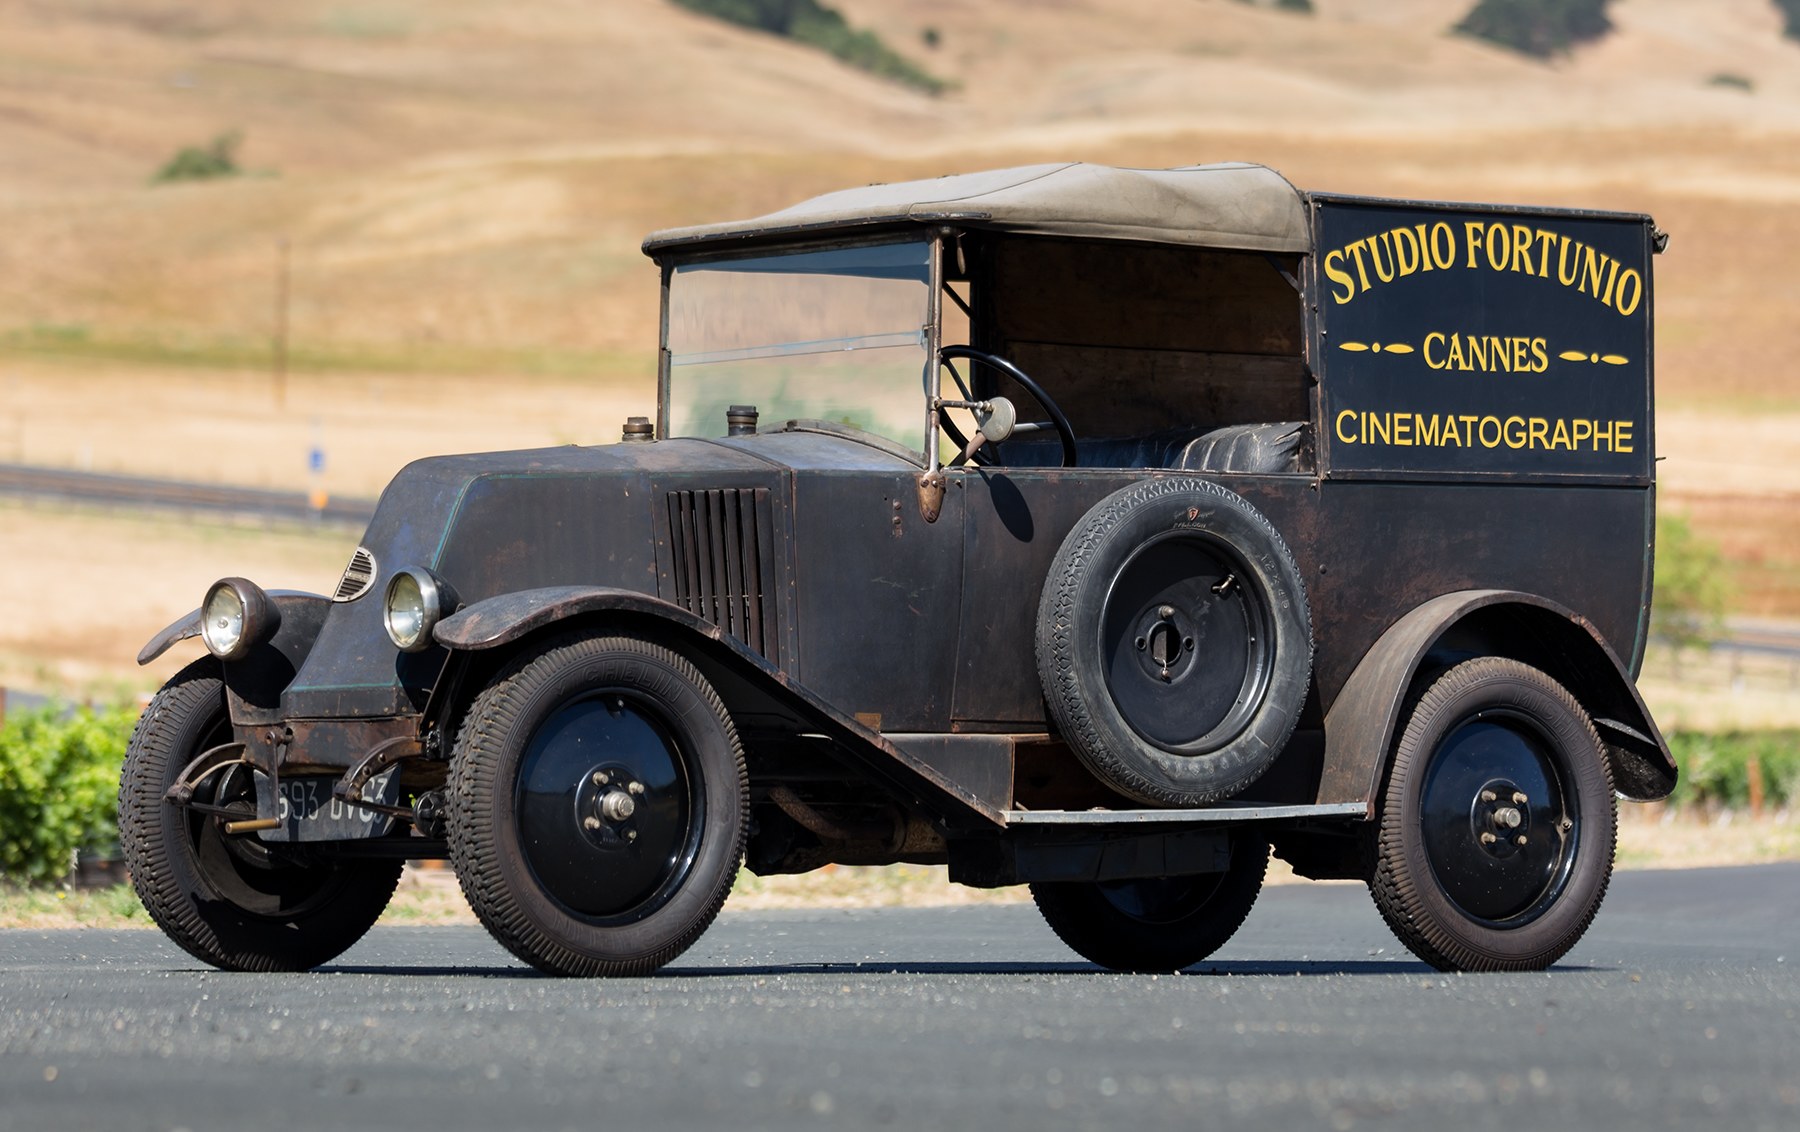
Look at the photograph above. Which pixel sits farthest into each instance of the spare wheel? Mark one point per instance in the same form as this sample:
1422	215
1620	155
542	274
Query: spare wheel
1174	642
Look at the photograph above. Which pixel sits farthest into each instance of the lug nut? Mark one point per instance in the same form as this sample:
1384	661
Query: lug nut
1519	799
590	823
631	835
1519	840
1489	796
600	778
1508	818
617	806
636	788
1488	839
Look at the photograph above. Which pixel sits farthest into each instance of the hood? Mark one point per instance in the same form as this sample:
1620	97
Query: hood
502	522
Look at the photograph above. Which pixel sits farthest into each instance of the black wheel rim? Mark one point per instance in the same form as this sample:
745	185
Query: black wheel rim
1161	900
609	817
1499	823
1186	642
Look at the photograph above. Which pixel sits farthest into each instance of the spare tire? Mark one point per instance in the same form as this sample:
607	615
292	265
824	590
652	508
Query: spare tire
1174	642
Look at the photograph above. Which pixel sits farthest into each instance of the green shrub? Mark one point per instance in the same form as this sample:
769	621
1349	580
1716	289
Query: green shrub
204	162
1539	28
59	785
1299	7
816	25
1715	767
1692	589
1790	11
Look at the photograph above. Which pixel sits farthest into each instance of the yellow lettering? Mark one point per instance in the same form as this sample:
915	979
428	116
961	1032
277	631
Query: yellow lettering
1481	432
1538	432
1376	425
1560	438
1540	359
1521	249
1546	240
1581	430
1622	436
1407	252
1356	253
1514	439
1601	434
1427	428
1478	354
1385	274
1472	230
1636	283
1498	250
1334	271
1347	438
1403	430
1443	257
1438	336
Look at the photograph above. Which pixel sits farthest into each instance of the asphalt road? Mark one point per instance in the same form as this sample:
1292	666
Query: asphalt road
1678	1010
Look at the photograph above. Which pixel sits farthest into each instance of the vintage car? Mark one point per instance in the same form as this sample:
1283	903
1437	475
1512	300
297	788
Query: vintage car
1093	529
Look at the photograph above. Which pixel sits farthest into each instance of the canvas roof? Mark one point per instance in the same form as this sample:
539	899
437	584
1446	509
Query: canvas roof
1238	206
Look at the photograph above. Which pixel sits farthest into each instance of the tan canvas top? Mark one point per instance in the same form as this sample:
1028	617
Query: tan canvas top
1239	206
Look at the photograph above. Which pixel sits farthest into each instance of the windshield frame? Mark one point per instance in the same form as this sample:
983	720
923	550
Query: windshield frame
925	447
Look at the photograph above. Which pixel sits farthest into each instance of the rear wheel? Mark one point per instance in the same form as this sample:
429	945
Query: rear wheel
598	806
229	900
1155	924
1497	827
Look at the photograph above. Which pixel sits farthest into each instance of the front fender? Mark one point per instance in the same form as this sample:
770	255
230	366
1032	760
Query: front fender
725	661
1360	727
298	609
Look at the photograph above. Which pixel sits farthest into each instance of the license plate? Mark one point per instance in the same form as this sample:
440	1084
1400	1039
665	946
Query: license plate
308	812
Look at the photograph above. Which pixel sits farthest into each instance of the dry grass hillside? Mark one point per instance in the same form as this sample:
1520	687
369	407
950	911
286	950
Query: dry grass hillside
461	186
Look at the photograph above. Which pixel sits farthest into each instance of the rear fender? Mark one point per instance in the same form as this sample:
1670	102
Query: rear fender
1361	727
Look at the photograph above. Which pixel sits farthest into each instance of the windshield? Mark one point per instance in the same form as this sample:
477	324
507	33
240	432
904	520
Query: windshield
838	334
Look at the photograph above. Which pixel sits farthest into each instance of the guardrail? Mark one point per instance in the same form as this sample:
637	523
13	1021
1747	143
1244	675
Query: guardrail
143	491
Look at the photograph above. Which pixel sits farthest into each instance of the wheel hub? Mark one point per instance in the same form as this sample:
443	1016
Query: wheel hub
1500	818
607	806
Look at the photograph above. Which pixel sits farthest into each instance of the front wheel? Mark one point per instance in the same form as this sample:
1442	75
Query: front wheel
1496	838
1155	925
229	900
598	803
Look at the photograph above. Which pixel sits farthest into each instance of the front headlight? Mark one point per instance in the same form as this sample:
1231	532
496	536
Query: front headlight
416	600
236	615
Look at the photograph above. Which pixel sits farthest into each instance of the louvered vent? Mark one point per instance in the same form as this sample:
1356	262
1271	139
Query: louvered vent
721	549
358	576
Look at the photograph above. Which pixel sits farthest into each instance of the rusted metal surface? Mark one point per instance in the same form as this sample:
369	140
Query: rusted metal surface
1362	725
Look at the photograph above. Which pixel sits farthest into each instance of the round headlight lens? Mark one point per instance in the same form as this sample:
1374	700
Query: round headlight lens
412	607
222	621
236	616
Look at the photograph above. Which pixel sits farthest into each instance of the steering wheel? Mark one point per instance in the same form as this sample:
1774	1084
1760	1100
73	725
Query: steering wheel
1057	420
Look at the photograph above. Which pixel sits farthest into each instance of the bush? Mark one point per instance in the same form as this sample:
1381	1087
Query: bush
816	25
59	787
1790	11
1692	590
1539	28
1299	7
204	163
1715	768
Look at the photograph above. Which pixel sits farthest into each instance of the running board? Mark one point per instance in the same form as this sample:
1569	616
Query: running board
1207	815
